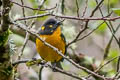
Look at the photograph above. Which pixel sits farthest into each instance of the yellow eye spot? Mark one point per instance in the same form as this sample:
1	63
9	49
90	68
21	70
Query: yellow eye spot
42	28
51	26
51	30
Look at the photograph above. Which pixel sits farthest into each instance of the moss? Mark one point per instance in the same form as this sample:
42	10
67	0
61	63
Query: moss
4	37
6	72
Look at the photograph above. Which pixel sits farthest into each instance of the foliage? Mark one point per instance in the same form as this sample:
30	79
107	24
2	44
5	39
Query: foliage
4	37
116	11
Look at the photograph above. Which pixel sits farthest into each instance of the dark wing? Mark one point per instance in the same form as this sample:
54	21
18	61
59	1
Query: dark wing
63	38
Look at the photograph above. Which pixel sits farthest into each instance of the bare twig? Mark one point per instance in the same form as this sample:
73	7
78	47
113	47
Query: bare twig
34	8
23	10
103	65
86	24
31	17
74	40
110	41
62	6
109	44
106	63
90	32
118	64
70	17
77	5
27	35
21	61
110	28
50	66
75	18
85	8
113	35
41	3
66	72
107	51
117	76
40	71
98	5
23	47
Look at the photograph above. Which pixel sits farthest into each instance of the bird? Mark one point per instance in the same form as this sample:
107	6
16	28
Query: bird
51	33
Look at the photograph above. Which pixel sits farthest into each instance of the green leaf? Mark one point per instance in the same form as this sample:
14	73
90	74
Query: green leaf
111	73
42	18
116	11
111	2
102	28
34	3
4	37
91	3
113	53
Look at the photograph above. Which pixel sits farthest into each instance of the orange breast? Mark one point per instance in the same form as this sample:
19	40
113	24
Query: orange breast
48	53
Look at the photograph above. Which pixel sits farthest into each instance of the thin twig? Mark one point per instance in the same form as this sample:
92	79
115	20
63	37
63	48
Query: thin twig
41	4
77	5
31	17
118	64
103	65
27	34
74	40
86	6
86	24
110	30
21	61
107	51
62	6
98	5
117	76
110	41
109	26
40	72
90	32
26	38
23	10
66	72
113	35
34	8
50	66
106	63
71	17
24	44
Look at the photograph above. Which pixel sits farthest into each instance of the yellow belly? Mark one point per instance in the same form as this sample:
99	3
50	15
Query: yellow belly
48	53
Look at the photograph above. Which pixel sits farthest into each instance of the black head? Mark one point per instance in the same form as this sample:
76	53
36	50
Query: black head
49	26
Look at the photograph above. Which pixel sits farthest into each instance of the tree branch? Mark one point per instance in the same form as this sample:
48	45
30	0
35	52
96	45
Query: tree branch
50	66
23	27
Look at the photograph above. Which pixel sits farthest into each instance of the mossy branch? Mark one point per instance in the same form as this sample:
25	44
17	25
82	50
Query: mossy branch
6	69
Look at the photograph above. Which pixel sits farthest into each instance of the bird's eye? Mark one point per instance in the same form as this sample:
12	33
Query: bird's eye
51	26
51	30
43	27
